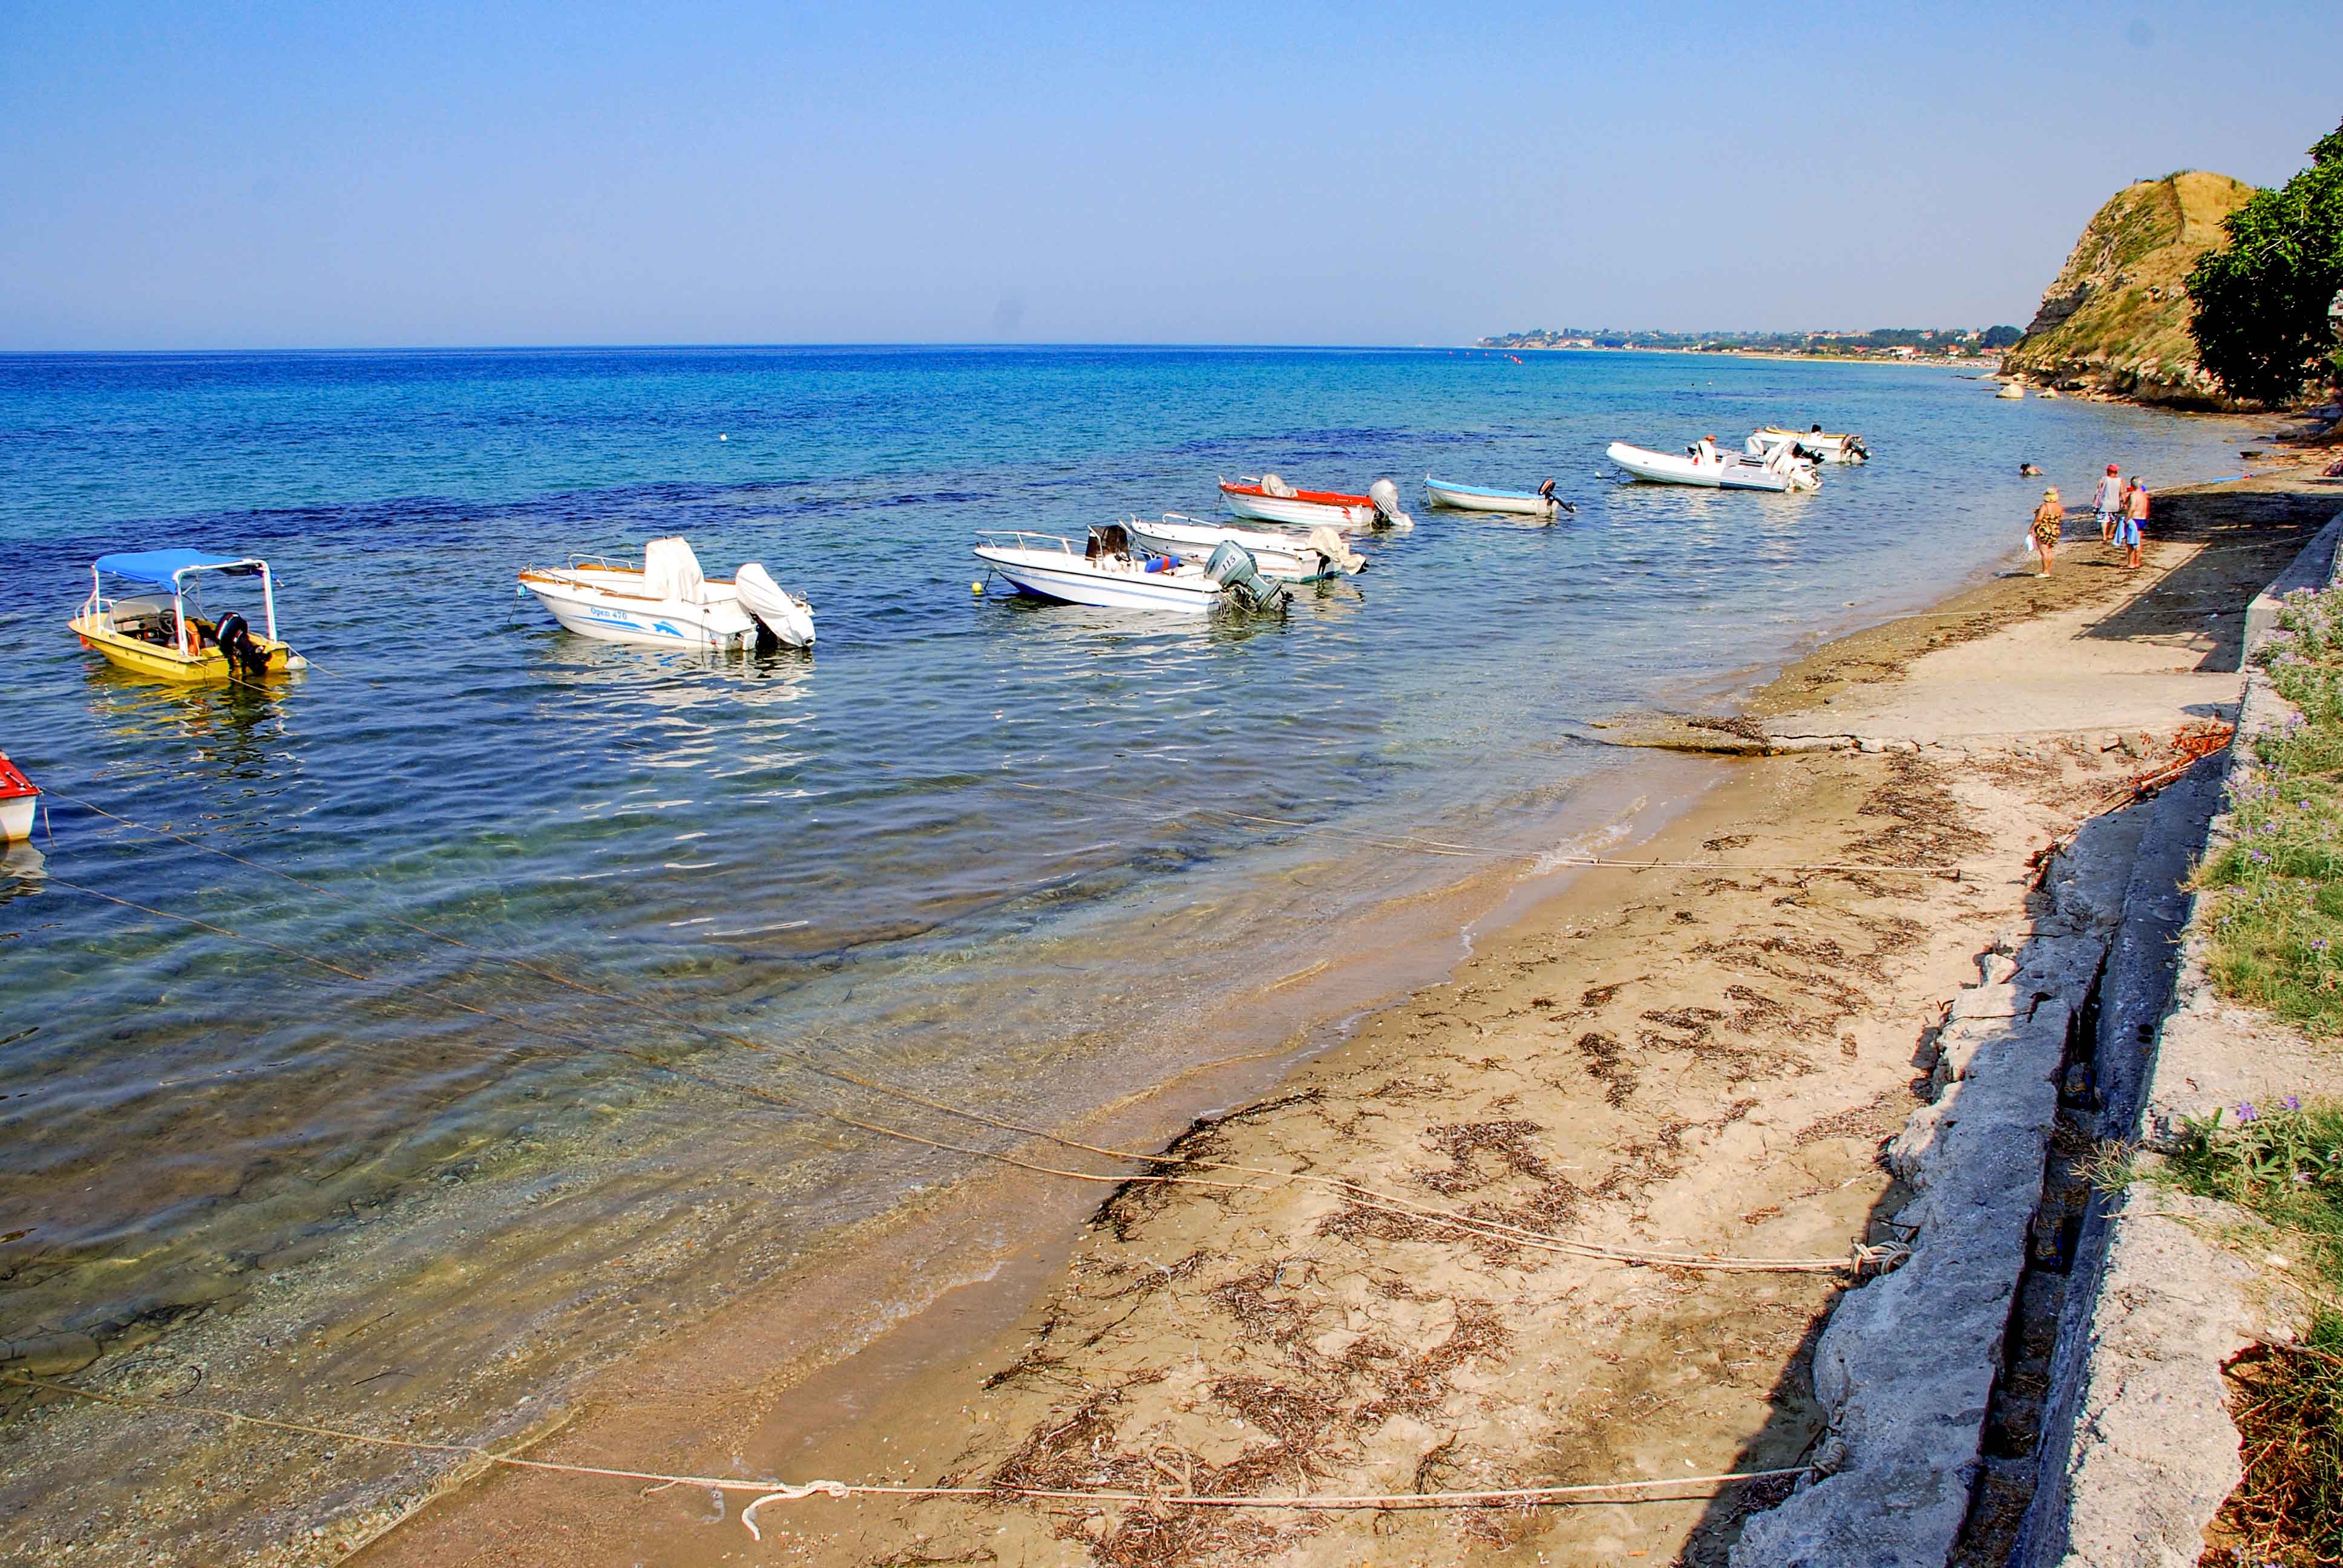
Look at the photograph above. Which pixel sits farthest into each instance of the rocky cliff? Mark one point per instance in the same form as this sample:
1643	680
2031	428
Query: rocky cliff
2116	320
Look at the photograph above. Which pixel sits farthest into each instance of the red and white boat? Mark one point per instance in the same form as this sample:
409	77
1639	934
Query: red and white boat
18	800
1270	499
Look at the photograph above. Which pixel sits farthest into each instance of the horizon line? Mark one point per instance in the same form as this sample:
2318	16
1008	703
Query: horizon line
8	353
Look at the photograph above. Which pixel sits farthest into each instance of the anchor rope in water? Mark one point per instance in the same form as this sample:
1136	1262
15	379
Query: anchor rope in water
773	1491
1861	1256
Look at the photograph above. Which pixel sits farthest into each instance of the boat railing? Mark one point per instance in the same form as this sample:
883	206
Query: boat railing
626	564
1024	540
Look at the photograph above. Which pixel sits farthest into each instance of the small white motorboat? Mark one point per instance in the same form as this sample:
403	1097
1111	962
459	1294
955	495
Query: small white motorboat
1110	572
1821	445
19	799
1270	499
1704	465
1284	557
665	602
1481	498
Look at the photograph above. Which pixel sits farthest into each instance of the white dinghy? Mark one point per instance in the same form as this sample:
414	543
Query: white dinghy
1482	499
1287	557
1113	573
1704	465
1820	444
1270	499
666	602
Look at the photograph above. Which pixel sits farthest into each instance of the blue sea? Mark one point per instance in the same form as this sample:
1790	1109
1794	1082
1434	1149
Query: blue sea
482	940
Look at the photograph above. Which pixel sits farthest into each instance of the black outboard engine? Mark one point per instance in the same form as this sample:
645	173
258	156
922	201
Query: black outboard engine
1231	566
235	642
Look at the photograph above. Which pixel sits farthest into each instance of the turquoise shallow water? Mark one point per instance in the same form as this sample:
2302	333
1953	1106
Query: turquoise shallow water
976	845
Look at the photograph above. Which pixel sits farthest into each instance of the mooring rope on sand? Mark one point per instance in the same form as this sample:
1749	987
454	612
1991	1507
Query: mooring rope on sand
1861	1258
773	1491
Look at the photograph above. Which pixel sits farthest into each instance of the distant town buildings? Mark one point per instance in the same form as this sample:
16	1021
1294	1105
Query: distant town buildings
1880	343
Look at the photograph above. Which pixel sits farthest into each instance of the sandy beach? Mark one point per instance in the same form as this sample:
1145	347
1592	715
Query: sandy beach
1343	1291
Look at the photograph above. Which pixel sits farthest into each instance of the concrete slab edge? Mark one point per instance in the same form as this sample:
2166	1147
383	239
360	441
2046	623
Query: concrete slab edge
2137	1452
1906	1365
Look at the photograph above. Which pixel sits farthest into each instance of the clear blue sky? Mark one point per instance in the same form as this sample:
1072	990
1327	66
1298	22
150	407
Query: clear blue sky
199	175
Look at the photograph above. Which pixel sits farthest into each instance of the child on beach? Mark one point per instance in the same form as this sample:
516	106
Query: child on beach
2108	503
2134	514
2047	518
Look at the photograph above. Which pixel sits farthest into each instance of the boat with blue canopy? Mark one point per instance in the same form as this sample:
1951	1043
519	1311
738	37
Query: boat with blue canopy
1482	499
145	613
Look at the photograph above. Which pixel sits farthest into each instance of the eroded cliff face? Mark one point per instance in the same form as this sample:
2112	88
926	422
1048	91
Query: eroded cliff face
2115	318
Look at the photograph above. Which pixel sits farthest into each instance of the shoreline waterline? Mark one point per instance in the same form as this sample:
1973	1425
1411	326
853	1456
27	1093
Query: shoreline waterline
626	1178
1061	1353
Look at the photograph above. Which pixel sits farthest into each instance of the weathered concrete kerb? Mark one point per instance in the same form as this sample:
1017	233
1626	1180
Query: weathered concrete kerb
1908	1366
2138	1452
2107	1001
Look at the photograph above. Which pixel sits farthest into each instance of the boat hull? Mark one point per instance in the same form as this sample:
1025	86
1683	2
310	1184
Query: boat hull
591	611
1472	498
164	663
1300	513
1070	579
1828	447
1730	473
1277	556
16	814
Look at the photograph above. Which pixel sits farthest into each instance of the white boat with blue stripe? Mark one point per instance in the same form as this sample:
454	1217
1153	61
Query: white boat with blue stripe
665	602
1482	499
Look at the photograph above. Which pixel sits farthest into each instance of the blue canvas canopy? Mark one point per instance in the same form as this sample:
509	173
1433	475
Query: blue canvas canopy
162	567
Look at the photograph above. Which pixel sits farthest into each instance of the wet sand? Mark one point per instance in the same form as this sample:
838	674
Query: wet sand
1702	1057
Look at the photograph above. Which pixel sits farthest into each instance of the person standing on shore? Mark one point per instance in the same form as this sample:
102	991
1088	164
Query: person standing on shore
2047	518
2108	503
2134	514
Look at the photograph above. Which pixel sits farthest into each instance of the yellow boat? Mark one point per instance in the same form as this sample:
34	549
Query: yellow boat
152	633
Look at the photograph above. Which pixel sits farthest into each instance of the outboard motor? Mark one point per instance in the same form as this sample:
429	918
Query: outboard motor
1385	496
782	616
1231	566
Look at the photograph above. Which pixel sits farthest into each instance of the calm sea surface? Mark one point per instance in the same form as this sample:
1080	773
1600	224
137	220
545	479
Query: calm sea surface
1002	852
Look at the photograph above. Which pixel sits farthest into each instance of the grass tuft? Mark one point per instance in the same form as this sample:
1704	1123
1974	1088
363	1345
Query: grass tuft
2275	927
2285	1164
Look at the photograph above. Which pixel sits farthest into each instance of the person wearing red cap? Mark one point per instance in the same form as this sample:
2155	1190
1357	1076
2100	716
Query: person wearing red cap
2109	502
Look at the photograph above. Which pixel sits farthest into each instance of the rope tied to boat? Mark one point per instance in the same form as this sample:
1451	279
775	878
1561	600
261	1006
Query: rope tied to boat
774	1491
1152	1170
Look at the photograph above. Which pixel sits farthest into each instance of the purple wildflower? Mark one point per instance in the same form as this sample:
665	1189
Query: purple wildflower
2290	1103
2246	1111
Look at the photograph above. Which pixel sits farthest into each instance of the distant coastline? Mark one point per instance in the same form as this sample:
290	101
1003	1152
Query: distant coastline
1986	362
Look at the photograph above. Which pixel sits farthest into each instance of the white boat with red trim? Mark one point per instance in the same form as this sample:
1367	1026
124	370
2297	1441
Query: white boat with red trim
20	801
1270	499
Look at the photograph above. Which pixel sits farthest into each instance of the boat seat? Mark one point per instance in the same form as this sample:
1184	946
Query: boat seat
670	570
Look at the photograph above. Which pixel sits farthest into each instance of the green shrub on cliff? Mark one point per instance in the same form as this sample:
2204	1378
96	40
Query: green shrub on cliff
2262	302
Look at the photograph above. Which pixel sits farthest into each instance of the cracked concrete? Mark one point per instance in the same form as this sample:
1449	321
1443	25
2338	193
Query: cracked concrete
1903	1452
2138	1452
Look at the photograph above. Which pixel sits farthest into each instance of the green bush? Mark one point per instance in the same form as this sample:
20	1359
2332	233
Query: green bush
2261	321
